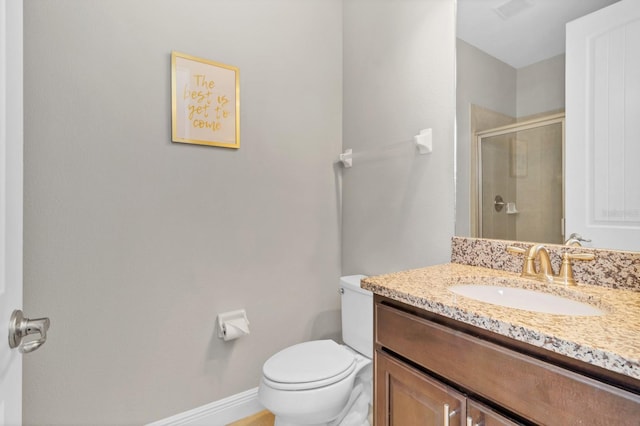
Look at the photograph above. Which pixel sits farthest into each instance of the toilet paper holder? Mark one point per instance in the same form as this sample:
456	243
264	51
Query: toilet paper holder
232	325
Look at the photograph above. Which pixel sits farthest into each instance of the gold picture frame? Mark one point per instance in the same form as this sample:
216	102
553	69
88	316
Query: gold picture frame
205	102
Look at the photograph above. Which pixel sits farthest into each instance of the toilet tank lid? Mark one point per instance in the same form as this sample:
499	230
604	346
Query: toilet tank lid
308	362
352	281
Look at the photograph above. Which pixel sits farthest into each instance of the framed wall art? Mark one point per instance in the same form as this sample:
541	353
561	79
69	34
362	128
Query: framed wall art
205	102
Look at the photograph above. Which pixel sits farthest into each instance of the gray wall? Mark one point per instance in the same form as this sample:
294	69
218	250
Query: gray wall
481	80
399	77
492	84
134	244
540	87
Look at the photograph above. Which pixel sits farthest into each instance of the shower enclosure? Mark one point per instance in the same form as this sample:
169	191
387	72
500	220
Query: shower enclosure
519	182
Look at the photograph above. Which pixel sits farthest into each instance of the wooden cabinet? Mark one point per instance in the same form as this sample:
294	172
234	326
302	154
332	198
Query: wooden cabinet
423	362
406	396
481	415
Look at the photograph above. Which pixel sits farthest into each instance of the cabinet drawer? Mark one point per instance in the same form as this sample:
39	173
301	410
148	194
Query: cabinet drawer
535	390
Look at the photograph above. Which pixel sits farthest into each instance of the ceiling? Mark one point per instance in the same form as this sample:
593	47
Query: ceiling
529	30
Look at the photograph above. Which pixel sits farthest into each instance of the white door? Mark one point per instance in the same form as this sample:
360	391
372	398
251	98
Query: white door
10	205
602	169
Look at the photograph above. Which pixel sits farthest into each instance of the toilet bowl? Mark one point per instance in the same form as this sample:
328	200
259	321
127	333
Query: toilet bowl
314	383
310	383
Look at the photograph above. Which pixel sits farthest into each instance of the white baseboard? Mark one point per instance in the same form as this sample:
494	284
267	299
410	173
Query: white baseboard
218	413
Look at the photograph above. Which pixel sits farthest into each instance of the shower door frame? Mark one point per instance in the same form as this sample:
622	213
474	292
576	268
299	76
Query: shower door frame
476	176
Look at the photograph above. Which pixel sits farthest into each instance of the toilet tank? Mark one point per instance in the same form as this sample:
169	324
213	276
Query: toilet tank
357	315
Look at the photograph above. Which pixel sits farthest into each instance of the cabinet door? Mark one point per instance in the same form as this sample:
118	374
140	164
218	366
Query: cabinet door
405	396
481	415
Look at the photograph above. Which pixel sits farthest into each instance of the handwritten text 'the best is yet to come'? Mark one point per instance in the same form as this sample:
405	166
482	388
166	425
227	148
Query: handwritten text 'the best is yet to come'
205	110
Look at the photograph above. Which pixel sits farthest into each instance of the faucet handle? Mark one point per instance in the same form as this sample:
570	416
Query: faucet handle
578	256
528	266
516	250
565	276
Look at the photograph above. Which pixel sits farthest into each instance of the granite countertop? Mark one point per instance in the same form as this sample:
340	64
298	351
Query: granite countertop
611	341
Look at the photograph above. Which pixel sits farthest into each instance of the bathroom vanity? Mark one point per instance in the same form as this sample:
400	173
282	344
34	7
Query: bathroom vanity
444	359
424	362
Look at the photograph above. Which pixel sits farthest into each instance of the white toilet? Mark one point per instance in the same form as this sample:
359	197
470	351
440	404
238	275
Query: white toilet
319	382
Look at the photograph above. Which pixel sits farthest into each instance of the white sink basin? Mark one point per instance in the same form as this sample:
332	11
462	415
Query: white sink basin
528	300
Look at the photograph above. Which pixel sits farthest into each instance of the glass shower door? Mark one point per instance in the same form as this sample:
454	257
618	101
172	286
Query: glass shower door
520	193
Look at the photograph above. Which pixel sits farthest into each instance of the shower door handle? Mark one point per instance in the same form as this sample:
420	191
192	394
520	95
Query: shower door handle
20	327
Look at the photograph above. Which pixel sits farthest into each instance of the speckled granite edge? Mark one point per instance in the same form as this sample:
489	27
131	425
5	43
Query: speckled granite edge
605	359
611	341
611	268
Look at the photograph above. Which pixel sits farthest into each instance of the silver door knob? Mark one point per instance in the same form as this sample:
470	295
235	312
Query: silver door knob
576	240
20	327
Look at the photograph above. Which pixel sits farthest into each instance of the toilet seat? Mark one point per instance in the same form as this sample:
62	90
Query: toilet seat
308	365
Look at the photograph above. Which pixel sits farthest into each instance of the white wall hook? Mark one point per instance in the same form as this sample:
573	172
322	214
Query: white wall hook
424	141
347	158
